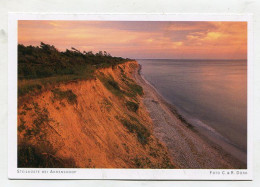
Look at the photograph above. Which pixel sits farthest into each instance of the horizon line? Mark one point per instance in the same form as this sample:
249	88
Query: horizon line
187	59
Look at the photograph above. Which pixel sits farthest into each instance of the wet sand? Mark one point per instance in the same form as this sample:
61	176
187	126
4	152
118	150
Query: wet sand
188	148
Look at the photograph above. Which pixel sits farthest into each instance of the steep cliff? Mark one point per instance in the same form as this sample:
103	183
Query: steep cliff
98	123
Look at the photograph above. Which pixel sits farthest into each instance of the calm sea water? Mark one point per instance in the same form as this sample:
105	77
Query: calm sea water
210	94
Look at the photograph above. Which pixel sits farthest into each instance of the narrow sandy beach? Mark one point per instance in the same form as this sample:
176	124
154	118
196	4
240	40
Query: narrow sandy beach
188	148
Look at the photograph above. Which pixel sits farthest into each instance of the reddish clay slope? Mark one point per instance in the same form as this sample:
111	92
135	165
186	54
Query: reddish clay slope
99	123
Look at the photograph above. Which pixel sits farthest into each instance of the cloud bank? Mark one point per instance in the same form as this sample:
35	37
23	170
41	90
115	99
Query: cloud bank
143	39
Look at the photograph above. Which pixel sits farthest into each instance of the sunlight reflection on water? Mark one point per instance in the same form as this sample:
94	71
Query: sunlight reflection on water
212	92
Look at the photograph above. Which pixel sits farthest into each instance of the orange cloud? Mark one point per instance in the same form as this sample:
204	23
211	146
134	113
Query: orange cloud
141	39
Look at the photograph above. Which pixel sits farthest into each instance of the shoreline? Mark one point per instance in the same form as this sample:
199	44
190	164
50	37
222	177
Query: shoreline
188	148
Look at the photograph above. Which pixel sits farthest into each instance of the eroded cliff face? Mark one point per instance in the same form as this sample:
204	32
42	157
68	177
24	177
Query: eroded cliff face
99	123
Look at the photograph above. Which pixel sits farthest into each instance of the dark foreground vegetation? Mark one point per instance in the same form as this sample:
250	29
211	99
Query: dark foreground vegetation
30	156
44	64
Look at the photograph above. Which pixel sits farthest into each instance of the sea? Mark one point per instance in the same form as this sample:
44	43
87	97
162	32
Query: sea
210	94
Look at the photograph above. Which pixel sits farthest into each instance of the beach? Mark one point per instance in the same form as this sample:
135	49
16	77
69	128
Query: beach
188	148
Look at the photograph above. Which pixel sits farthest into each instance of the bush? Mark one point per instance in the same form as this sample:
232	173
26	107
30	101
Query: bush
30	156
140	130
28	88
68	95
114	84
132	106
136	89
142	162
110	84
133	88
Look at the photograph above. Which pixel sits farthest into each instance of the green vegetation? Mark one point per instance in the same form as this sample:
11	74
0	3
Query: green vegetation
133	88
110	84
136	127
42	117
25	107
22	113
145	162
21	127
41	155
30	156
40	122
141	162
22	90
68	95
41	65
154	152
132	106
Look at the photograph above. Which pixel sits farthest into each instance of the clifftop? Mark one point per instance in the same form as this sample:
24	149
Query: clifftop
96	123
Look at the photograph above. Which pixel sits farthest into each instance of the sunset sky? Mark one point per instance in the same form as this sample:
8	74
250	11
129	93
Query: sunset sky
144	39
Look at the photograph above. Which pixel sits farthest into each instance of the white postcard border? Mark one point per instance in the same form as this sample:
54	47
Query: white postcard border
137	174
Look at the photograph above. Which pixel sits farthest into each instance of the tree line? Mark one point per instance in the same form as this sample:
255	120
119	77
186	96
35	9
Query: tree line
47	61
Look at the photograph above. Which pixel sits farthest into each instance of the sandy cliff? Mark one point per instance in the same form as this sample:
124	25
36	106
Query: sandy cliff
99	123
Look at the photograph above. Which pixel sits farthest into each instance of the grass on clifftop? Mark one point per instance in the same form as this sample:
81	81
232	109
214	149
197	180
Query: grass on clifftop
41	65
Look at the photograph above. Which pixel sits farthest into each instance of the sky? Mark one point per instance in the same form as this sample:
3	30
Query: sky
141	39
